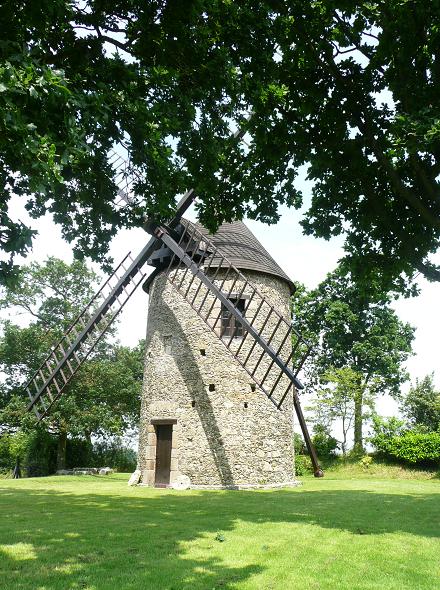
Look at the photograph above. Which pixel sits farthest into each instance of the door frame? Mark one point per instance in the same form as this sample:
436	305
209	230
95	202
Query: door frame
150	474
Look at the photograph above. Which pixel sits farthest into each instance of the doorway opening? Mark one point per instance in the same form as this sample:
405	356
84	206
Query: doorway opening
164	435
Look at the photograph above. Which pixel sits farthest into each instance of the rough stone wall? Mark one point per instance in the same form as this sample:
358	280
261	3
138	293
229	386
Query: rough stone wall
227	432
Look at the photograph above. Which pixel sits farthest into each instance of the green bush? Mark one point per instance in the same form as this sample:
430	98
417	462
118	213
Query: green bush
384	430
366	462
394	441
298	444
113	454
412	447
13	446
303	465
325	444
41	454
7	461
79	453
38	453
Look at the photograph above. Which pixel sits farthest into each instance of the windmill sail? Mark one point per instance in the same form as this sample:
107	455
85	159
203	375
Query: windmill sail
49	381
269	349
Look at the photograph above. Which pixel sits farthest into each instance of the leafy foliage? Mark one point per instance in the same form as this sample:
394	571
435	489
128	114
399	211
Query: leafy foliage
412	447
37	451
366	462
114	454
41	454
421	405
359	344
386	428
337	399
303	465
299	446
104	397
13	446
325	444
348	89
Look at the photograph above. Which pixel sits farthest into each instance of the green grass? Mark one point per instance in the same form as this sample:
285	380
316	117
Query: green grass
96	533
350	468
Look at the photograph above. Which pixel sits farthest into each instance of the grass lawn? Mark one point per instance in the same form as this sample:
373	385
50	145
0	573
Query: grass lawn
96	533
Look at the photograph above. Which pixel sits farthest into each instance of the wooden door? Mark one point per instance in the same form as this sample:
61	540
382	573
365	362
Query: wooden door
164	433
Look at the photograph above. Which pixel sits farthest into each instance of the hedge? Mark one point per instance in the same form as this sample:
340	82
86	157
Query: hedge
412	447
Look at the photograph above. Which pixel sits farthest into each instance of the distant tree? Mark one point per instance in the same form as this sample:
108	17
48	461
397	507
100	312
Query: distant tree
104	397
347	330
421	406
337	399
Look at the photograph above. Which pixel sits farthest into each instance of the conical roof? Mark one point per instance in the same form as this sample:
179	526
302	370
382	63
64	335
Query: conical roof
239	245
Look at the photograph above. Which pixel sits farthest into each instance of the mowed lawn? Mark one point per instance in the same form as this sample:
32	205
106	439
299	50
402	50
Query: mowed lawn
96	533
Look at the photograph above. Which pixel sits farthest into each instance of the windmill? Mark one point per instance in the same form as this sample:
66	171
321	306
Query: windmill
253	331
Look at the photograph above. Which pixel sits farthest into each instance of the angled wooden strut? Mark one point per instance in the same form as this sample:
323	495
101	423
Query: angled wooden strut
50	380
193	253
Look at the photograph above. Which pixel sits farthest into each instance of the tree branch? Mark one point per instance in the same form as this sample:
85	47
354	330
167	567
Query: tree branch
115	42
430	187
428	270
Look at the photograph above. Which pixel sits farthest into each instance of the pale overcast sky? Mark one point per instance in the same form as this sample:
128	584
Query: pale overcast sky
304	258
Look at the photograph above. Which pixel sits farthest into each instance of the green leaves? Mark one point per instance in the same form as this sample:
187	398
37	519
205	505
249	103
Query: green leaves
359	346
104	396
349	90
410	447
421	405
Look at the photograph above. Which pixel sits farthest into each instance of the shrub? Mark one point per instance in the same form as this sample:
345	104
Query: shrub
392	440
79	453
6	459
298	444
13	446
41	454
303	465
37	451
113	454
413	447
366	461
325	444
384	430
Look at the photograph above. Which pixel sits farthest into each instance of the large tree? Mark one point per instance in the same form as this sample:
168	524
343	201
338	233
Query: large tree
347	330
350	89
104	397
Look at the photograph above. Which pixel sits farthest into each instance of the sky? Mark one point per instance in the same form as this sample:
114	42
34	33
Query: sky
304	258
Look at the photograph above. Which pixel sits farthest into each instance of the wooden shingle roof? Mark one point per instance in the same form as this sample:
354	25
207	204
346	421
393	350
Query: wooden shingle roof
239	245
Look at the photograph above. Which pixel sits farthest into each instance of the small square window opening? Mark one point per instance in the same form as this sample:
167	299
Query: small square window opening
167	344
230	326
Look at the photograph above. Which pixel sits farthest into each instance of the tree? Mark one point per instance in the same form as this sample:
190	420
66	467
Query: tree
349	89
104	397
421	406
347	330
336	400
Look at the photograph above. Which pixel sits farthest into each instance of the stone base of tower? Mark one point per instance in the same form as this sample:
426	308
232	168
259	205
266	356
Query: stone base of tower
233	454
203	417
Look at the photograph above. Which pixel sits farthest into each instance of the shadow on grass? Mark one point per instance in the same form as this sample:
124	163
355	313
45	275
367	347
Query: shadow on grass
101	540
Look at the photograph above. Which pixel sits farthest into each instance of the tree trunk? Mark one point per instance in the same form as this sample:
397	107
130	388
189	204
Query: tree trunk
61	450
344	442
358	418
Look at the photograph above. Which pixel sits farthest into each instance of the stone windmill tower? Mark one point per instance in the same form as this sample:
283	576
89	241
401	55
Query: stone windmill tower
222	358
202	414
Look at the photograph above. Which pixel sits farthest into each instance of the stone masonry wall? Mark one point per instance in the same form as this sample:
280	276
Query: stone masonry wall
227	432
